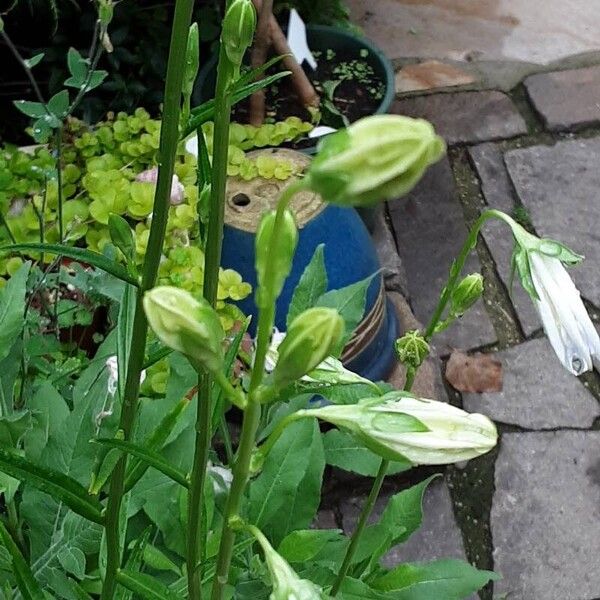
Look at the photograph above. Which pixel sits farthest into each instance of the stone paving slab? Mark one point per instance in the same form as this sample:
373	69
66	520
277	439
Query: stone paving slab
500	30
560	187
466	117
537	392
438	537
394	273
430	230
431	74
497	191
546	516
566	99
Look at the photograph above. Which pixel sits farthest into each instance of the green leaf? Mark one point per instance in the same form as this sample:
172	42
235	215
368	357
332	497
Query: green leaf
78	67
205	112
12	303
344	452
58	485
286	495
156	559
95	79
402	516
125	335
252	74
354	589
312	285
26	582
59	104
72	560
121	235
449	579
146	586
349	302
321	546
34	60
35	110
94	259
155	442
153	459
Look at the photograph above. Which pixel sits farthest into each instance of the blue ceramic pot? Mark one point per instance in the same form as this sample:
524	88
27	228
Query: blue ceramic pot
349	257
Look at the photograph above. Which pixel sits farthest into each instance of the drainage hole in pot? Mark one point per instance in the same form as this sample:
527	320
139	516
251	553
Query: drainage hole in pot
240	200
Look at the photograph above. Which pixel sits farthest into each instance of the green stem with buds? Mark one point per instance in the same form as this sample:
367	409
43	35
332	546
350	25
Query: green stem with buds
455	271
241	469
214	242
168	147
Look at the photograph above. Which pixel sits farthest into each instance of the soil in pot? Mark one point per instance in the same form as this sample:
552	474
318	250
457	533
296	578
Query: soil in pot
347	84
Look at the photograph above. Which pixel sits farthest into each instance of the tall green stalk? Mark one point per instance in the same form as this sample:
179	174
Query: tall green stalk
455	271
169	139
241	469
214	242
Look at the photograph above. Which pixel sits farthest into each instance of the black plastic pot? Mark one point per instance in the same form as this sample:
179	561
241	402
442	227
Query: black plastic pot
320	38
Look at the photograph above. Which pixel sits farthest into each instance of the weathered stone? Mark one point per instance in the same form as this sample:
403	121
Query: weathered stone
394	274
438	537
466	116
490	30
430	231
545	515
560	187
537	392
428	381
430	74
566	99
497	191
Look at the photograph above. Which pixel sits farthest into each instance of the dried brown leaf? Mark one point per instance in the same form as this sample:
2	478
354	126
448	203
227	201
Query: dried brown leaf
474	373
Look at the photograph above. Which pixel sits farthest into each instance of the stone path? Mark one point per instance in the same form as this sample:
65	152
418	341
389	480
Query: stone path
526	142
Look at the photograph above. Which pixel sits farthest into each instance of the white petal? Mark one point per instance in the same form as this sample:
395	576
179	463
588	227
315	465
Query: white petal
563	315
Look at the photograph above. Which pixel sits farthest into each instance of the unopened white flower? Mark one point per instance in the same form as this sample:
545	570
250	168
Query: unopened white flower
399	426
287	584
565	319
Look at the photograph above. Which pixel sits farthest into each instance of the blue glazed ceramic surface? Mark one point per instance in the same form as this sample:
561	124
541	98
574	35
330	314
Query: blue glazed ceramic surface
349	256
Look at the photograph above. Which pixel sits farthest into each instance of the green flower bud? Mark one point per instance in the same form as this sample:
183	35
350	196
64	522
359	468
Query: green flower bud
412	349
192	60
466	293
186	324
105	12
311	337
239	24
399	427
274	255
376	158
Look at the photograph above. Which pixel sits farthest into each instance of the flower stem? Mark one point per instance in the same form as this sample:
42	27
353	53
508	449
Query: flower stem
455	271
458	265
252	412
166	160
214	243
366	511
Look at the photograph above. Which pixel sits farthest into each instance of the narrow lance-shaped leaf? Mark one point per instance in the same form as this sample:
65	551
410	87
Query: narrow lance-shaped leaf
26	582
145	586
58	485
155	441
94	259
12	301
149	456
205	112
